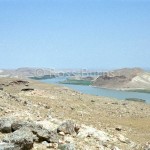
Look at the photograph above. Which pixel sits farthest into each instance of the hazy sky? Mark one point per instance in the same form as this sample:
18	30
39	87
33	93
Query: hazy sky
74	33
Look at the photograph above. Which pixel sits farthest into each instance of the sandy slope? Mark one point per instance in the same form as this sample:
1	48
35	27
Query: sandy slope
63	103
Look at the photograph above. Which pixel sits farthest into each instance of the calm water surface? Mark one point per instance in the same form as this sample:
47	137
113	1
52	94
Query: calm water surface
100	91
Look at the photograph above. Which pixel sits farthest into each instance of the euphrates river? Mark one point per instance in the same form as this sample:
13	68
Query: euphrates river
121	95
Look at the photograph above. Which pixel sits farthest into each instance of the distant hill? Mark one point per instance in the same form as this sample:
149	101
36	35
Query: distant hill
24	72
45	73
127	78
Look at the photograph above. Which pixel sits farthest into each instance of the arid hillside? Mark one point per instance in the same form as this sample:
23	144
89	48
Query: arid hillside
134	78
41	116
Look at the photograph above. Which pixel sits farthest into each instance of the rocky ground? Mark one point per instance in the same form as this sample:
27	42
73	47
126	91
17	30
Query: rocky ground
40	116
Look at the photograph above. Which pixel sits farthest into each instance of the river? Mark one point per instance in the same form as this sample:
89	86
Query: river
121	95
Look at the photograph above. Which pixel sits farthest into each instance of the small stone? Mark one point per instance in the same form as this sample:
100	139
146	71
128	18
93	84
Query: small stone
1	88
72	108
119	128
122	139
92	101
68	139
61	133
47	107
25	102
69	146
61	142
115	148
45	143
53	145
115	103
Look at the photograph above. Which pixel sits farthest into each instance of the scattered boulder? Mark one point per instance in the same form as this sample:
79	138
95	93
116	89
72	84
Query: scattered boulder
67	127
41	134
23	138
5	125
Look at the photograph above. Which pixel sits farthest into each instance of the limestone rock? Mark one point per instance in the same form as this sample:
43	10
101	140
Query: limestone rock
67	127
7	146
86	131
42	134
53	137
5	125
23	138
19	124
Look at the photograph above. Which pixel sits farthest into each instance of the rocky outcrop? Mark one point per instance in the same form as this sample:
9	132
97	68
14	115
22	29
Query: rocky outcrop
67	136
22	139
41	134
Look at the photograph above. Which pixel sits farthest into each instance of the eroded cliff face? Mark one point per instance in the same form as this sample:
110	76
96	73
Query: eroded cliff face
124	79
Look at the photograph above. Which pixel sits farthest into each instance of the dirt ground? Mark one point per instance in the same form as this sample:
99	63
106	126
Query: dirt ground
63	103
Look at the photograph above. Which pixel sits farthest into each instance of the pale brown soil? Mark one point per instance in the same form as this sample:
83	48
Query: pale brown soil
64	103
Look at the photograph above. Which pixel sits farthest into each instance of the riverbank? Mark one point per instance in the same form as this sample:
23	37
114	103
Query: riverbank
125	123
90	83
97	91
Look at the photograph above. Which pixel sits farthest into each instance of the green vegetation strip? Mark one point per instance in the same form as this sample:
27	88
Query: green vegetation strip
76	82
